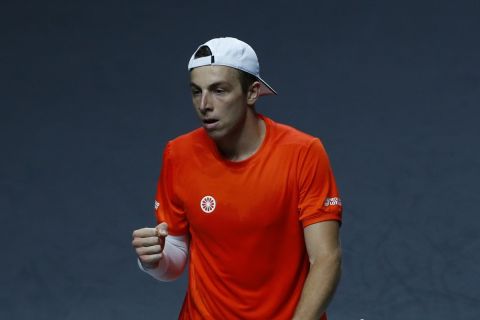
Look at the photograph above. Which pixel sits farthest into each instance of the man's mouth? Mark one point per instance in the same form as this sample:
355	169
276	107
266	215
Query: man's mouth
210	123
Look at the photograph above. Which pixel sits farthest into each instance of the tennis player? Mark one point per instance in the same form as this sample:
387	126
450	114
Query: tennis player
251	205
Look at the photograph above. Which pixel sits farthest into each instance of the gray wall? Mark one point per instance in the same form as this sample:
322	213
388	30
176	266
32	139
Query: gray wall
90	91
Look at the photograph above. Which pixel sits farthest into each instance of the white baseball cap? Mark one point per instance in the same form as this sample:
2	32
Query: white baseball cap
234	53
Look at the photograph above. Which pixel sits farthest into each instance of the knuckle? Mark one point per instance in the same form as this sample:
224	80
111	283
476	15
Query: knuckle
154	249
137	242
150	258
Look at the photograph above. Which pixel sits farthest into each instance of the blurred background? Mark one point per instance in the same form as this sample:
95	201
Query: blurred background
90	92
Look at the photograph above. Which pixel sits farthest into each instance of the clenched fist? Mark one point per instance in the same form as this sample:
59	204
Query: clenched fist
149	243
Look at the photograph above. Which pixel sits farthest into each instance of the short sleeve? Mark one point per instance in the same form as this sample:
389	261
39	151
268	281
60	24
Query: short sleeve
318	195
168	207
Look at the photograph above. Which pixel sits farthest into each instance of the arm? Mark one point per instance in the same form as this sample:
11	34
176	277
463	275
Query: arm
161	256
324	252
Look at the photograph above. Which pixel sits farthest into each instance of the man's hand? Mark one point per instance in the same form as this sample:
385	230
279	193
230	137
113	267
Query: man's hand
149	244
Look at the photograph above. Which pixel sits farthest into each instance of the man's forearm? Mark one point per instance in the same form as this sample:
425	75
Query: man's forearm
173	262
319	287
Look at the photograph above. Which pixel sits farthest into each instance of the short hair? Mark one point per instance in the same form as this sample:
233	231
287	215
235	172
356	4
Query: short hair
246	79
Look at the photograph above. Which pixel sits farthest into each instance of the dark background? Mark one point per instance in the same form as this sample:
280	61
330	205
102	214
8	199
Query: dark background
92	90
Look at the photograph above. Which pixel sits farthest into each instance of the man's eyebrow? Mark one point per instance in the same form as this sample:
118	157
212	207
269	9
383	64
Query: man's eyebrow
212	85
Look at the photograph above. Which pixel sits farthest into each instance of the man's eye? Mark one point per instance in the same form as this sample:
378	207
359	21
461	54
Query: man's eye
219	91
195	92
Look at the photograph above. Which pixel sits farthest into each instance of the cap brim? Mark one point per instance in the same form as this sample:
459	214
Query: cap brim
265	88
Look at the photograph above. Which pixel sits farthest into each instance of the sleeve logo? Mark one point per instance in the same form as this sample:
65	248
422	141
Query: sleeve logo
332	202
208	204
157	204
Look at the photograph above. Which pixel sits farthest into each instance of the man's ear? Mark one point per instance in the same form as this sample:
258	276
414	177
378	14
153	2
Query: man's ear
253	93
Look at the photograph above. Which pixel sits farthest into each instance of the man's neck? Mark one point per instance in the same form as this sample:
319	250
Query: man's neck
246	141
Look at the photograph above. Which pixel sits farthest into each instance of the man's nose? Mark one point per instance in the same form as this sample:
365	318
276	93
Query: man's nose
205	103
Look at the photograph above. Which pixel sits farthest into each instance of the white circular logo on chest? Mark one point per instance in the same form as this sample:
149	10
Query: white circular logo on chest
208	204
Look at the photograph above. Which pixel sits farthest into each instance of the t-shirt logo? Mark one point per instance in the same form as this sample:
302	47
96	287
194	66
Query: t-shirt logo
332	202
208	204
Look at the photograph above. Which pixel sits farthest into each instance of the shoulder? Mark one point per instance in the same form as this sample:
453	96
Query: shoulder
288	142
188	138
185	145
286	135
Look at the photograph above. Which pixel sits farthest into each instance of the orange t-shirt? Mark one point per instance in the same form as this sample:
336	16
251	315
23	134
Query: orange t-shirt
245	220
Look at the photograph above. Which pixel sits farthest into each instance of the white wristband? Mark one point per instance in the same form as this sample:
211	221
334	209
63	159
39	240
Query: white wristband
171	266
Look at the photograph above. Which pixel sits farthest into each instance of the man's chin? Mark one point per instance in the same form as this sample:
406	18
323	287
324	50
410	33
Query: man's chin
215	135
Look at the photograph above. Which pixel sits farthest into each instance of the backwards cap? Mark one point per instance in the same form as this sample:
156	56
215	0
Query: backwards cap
234	53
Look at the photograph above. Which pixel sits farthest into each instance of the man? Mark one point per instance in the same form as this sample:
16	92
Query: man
251	202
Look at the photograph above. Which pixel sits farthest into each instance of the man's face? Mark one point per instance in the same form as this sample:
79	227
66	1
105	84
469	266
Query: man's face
219	100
